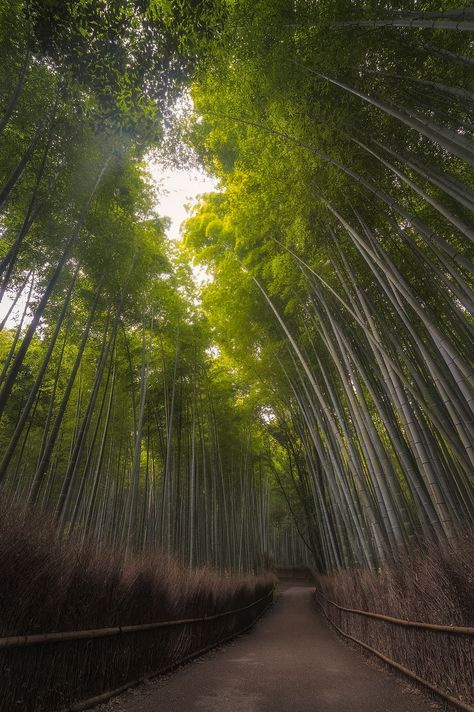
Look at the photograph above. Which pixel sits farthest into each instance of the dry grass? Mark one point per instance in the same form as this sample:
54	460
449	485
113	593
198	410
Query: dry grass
48	586
433	585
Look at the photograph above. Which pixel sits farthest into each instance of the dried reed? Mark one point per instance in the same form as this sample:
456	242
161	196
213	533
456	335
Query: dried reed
49	586
433	585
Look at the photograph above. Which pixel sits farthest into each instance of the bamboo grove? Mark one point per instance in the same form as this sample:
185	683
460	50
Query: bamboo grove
343	139
115	419
315	400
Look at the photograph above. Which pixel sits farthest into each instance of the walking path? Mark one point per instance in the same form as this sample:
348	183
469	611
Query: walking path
290	662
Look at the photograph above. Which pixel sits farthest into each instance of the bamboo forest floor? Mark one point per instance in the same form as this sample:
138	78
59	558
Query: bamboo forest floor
291	662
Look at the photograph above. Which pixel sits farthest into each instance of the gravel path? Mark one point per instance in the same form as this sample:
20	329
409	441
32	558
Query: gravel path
290	662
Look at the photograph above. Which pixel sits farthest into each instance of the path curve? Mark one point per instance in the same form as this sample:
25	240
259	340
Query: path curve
290	662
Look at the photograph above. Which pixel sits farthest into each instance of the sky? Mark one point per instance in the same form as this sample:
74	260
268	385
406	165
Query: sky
178	192
177	188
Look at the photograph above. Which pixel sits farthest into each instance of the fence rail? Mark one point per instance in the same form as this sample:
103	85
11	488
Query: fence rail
109	694
457	630
19	641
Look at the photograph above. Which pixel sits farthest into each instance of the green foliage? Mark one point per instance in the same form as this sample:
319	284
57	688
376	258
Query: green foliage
325	364
336	228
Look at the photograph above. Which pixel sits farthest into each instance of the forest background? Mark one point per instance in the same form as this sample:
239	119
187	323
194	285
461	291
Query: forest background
312	400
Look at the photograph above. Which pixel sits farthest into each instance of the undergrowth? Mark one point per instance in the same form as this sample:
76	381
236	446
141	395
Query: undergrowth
432	585
52	586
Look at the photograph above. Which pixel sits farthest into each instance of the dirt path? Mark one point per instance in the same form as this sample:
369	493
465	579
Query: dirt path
291	662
